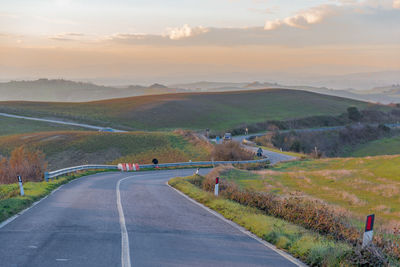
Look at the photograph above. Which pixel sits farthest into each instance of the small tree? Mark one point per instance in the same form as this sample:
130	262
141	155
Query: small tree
354	114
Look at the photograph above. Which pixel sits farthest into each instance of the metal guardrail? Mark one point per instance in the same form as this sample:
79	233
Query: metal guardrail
54	174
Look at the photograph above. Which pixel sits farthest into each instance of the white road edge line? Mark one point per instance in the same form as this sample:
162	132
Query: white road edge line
125	252
242	229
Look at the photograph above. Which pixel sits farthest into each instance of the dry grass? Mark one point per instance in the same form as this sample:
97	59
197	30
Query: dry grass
231	151
30	165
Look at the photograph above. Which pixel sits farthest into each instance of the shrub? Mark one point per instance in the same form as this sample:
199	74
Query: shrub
30	165
354	114
314	215
329	143
231	151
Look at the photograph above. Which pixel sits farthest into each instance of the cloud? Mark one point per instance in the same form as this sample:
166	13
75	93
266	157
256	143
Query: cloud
306	18
303	19
185	32
68	36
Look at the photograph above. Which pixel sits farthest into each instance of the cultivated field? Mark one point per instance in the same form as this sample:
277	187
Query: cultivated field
71	148
217	111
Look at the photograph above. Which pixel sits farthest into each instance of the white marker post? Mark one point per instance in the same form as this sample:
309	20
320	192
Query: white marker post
197	171
20	185
369	230
216	186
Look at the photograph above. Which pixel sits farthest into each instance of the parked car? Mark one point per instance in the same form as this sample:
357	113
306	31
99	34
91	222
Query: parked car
227	137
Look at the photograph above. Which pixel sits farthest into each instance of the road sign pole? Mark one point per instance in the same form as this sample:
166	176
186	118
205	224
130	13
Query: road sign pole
369	230
20	185
216	186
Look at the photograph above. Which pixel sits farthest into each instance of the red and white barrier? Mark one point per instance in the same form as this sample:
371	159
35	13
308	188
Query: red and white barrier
128	167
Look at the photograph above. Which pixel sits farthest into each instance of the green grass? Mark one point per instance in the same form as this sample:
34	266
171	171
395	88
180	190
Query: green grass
386	146
72	148
11	202
217	111
9	126
360	185
310	247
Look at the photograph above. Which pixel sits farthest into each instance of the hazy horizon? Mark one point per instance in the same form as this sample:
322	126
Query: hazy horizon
145	42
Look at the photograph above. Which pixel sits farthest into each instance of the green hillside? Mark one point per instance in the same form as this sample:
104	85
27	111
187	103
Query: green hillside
386	146
71	148
216	111
10	126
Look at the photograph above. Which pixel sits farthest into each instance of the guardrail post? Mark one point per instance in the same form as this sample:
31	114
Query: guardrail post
46	176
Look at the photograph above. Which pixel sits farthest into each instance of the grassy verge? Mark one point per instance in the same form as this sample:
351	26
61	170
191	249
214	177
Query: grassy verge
11	202
310	247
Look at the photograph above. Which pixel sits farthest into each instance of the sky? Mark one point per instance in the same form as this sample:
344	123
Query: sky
145	41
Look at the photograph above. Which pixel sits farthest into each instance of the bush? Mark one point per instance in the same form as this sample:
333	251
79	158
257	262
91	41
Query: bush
311	214
354	114
231	151
329	143
30	165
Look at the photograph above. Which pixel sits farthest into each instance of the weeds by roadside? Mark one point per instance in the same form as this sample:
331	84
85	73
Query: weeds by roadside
313	215
311	248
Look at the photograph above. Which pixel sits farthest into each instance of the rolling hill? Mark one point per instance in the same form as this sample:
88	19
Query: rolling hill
64	90
217	111
385	146
10	126
72	148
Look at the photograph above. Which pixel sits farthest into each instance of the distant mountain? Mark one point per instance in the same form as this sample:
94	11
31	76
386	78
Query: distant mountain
383	94
158	86
358	81
69	91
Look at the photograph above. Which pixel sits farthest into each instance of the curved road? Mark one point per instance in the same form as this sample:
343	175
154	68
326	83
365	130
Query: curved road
274	157
83	125
128	219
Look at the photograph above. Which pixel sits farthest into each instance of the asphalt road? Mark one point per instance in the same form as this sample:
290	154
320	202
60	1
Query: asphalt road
274	157
87	126
81	225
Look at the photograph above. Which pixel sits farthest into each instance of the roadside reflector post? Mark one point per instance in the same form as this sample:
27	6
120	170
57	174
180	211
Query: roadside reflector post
20	185
216	186
369	230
